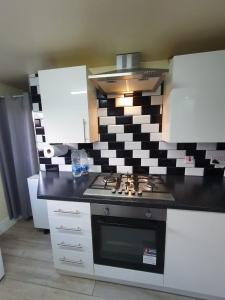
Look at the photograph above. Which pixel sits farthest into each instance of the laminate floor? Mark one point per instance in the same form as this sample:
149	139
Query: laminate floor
30	273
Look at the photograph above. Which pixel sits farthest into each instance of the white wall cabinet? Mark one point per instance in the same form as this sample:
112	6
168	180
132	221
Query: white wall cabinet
71	236
194	101
195	252
69	105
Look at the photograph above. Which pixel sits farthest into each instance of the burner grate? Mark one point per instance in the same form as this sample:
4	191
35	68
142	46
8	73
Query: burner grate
109	179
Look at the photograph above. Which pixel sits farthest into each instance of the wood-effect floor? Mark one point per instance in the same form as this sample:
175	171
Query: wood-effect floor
30	274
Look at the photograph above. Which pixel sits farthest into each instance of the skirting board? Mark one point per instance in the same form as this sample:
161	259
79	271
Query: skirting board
5	224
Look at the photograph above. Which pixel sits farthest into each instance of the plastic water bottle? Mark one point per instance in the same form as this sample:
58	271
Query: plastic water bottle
84	162
76	166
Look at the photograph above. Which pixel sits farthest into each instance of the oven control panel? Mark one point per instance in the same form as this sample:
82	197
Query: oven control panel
128	211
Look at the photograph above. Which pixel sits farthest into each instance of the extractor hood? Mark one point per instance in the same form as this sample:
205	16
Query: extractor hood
129	76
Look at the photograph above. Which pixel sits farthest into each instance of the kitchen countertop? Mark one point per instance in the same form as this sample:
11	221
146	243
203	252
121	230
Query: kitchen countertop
190	192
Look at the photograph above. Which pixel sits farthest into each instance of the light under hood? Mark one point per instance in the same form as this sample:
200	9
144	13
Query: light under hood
129	77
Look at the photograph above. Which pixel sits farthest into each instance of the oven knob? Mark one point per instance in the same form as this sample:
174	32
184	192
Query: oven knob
113	191
106	211
139	192
120	191
148	214
133	192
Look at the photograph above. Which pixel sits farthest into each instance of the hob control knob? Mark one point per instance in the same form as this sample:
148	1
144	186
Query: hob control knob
113	191
148	214
133	192
106	211
120	191
139	193
126	192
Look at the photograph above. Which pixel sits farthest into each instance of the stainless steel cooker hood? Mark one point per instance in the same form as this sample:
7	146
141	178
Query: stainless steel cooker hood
129	76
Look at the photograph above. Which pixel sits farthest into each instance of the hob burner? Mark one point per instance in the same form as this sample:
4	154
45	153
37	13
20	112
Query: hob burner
109	179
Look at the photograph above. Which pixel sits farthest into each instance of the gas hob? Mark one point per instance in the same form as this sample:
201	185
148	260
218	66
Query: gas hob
129	186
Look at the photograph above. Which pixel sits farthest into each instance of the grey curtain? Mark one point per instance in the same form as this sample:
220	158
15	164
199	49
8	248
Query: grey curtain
18	154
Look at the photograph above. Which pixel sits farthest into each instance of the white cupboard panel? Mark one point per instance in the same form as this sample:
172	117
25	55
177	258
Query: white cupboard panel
69	105
38	206
195	252
194	102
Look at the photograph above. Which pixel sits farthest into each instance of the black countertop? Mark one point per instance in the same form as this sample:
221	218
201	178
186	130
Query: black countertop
190	192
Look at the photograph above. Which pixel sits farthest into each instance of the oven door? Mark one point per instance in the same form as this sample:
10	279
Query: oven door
129	243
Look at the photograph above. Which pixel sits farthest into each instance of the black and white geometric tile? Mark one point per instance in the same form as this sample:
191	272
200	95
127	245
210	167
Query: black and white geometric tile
130	140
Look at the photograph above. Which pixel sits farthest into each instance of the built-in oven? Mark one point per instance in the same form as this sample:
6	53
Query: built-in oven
129	237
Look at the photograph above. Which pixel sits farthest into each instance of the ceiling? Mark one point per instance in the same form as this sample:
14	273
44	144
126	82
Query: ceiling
37	34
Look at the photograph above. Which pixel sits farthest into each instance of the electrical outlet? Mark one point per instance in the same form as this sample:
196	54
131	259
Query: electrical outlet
189	160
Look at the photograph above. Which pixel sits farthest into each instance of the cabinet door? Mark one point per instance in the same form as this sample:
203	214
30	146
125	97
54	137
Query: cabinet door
194	101
65	104
195	252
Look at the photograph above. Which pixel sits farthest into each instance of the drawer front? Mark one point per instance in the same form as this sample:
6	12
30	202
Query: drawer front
69	210
72	228
69	218
73	262
74	244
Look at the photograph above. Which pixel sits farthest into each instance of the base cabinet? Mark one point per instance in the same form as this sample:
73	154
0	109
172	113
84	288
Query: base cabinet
194	255
195	252
71	237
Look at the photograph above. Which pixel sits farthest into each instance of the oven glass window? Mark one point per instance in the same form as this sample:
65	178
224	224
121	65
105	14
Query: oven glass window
126	244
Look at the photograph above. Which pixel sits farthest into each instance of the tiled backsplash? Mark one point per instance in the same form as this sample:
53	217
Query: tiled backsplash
130	141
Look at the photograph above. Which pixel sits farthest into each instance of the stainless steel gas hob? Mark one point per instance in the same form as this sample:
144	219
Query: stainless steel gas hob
129	186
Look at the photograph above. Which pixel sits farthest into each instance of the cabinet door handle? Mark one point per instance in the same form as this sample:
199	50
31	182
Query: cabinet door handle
84	128
70	261
70	212
77	229
64	245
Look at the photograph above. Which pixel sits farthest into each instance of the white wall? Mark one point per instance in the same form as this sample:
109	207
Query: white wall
5	90
8	90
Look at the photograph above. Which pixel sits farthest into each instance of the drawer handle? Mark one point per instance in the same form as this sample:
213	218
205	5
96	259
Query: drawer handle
64	245
70	261
77	229
69	212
